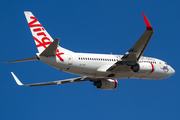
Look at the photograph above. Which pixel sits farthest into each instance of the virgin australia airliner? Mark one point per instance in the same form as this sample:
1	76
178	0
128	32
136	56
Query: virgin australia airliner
102	69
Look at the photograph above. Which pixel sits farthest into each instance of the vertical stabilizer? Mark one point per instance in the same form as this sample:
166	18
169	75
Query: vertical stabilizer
41	36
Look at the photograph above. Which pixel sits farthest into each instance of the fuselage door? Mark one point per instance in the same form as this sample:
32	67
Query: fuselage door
70	59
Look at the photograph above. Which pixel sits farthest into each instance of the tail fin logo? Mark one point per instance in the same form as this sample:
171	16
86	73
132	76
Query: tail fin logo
40	37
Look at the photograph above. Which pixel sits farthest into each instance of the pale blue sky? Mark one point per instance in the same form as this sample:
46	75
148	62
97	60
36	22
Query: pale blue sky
92	26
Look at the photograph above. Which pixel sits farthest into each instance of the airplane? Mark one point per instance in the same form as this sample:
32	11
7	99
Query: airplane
101	69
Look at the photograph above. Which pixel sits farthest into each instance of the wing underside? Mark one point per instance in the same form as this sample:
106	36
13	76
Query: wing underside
72	80
134	54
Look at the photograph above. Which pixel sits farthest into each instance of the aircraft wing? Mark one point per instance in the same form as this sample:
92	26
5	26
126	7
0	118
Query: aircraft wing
72	80
134	54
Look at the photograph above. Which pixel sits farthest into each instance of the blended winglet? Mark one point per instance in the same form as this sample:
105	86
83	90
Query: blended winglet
148	25
16	79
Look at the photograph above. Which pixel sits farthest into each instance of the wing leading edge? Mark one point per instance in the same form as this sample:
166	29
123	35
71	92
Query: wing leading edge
134	54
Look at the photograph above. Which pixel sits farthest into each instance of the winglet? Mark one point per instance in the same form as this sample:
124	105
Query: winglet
148	25
16	79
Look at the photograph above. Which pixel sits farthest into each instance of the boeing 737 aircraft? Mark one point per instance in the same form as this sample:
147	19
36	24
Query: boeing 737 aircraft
102	69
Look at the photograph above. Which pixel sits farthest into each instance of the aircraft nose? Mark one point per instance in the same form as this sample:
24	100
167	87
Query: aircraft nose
172	71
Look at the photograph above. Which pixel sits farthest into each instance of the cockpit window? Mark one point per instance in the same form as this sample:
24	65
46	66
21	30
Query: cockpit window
166	63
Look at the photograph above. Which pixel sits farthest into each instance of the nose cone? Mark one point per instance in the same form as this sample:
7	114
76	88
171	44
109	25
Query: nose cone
172	71
166	71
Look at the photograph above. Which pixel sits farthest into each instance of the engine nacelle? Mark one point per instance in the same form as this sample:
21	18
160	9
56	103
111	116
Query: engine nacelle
145	68
106	84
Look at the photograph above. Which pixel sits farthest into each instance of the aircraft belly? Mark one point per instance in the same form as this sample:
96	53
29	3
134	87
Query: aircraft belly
52	61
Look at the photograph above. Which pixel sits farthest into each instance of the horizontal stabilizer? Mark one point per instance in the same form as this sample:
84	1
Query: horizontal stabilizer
51	49
21	60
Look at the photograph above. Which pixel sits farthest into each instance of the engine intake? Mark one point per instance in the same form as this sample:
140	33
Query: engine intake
145	68
106	84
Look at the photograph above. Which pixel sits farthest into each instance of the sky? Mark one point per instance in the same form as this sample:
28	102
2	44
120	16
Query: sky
90	26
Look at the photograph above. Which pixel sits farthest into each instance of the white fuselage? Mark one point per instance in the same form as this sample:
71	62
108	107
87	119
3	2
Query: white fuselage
102	69
95	65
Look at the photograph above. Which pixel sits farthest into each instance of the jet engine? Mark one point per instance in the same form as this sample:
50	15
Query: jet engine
145	68
106	84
